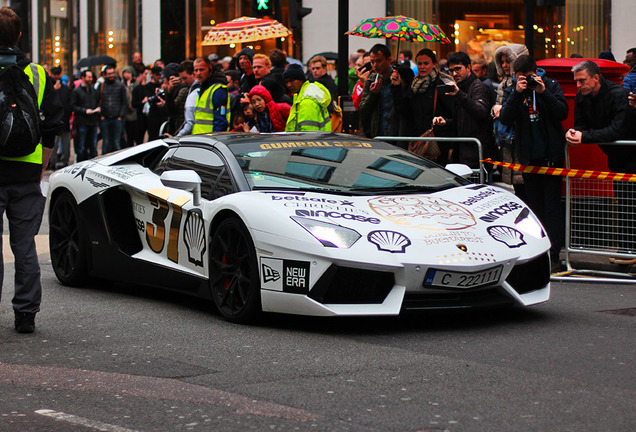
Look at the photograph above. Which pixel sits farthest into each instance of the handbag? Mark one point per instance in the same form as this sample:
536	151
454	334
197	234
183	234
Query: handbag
427	149
504	135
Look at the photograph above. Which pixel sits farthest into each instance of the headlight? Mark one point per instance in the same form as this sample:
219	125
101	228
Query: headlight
330	235
528	223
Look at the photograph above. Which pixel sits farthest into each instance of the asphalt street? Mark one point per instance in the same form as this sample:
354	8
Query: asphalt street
125	358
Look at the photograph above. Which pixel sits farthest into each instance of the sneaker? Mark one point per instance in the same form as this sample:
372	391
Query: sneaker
25	322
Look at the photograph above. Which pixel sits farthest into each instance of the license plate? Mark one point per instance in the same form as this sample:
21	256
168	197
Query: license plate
450	279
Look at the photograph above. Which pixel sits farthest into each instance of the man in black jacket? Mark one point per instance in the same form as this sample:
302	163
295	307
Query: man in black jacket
600	112
113	101
471	112
85	103
20	195
536	106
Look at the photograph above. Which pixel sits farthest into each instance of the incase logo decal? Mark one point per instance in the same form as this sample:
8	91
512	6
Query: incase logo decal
285	275
502	210
336	215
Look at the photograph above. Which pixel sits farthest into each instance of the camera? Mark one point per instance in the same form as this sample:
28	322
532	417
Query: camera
532	83
161	93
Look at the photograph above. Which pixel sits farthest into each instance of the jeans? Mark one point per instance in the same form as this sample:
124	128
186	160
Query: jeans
24	205
86	142
111	134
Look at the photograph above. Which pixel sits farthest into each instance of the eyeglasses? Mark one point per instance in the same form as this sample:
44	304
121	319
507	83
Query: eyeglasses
456	69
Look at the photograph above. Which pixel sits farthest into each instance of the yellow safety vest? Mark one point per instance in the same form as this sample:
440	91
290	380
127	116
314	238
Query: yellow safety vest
37	76
204	111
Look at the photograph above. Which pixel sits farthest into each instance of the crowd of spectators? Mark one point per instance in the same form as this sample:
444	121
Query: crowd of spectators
510	105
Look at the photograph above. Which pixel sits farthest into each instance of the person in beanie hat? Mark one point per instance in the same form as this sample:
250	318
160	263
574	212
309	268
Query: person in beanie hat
311	100
248	80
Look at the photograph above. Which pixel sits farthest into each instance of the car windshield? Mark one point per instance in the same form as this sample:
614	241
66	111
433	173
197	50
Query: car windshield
365	168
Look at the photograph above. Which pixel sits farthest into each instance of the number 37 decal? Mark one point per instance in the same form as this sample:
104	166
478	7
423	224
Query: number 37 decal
156	230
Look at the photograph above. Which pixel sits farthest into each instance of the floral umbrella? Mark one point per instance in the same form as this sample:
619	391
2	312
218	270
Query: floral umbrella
399	28
245	29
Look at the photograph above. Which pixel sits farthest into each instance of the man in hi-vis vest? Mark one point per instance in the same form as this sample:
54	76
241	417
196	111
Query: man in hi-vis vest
20	194
212	112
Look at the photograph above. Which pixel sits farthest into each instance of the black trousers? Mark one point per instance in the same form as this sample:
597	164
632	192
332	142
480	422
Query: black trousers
543	194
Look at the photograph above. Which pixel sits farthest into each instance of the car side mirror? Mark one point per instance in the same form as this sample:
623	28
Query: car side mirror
460	170
184	179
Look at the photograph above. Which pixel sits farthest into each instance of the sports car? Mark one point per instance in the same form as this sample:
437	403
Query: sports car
316	224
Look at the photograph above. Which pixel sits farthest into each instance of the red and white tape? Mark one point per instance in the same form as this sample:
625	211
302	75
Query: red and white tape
565	172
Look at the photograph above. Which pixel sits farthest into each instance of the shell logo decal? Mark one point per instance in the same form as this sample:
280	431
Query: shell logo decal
507	235
389	241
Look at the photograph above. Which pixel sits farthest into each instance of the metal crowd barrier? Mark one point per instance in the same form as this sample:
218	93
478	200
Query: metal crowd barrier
479	174
600	222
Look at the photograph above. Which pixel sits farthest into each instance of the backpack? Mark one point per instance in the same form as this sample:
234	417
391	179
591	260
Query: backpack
19	113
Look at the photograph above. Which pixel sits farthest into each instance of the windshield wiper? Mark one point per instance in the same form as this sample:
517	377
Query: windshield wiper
400	189
301	189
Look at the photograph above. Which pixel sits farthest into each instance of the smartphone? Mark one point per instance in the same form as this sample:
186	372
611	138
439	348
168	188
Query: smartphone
365	67
445	88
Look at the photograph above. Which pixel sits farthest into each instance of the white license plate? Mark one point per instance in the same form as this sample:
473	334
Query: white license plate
450	279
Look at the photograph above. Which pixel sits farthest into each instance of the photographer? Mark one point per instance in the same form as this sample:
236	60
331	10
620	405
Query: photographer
151	98
536	106
176	94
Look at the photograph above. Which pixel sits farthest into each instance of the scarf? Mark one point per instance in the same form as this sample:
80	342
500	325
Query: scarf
421	83
264	122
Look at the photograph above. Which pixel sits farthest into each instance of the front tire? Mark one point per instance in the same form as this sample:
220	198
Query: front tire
234	277
67	241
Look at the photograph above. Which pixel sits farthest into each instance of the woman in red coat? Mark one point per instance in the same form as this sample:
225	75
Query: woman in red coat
270	116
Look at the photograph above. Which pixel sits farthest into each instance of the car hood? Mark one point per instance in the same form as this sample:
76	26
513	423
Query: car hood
485	222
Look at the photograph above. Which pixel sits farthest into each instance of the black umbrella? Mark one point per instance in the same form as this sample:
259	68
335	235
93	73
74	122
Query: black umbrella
329	55
95	61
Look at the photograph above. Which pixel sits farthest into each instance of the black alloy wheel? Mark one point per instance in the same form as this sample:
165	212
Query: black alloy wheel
234	277
67	241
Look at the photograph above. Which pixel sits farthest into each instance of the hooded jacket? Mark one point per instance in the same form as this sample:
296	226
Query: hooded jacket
309	111
512	52
278	112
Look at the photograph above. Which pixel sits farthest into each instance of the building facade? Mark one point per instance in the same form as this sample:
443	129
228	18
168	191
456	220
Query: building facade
60	32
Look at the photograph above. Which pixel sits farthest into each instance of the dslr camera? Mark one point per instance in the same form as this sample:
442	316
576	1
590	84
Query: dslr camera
161	93
532	83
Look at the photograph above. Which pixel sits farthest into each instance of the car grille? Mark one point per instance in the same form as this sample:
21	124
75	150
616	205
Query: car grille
530	276
344	285
455	299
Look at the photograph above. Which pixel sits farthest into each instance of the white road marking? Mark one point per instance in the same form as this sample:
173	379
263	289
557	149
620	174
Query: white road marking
69	418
